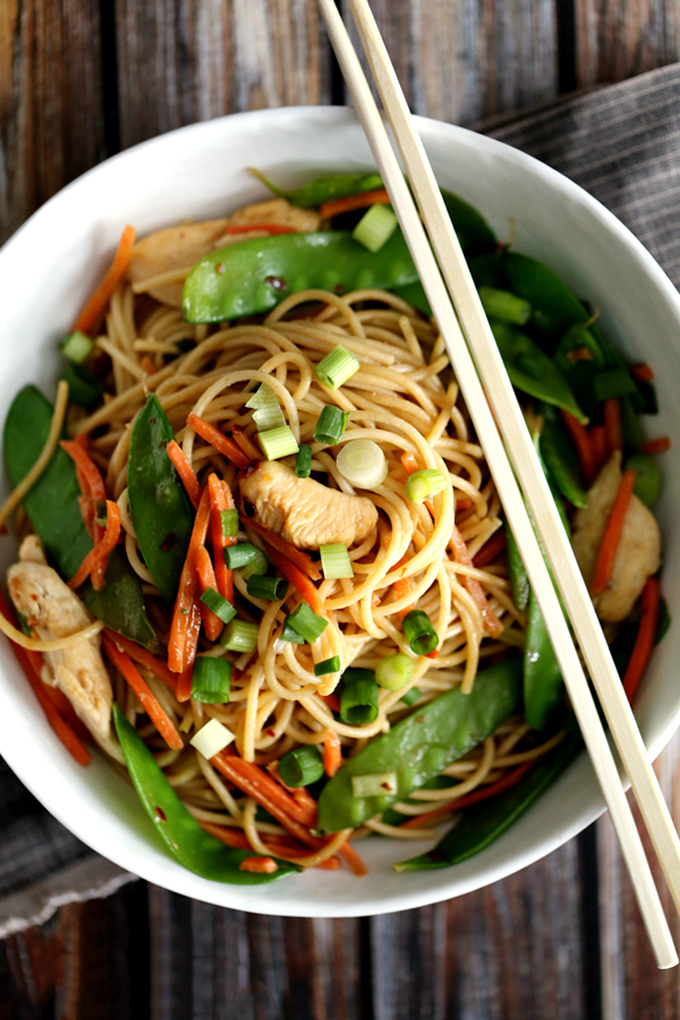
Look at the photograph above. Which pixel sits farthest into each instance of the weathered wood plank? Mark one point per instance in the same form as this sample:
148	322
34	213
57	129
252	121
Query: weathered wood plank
616	40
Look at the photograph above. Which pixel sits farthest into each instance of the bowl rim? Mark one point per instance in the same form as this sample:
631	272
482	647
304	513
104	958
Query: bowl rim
178	880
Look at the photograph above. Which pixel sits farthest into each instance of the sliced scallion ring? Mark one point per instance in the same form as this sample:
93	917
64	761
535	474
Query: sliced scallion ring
335	561
362	463
422	484
336	368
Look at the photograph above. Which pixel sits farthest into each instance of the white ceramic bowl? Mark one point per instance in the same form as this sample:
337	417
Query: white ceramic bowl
48	268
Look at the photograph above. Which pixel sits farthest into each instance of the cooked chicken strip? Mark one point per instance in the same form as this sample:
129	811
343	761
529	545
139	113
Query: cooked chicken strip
280	212
303	511
638	555
54	611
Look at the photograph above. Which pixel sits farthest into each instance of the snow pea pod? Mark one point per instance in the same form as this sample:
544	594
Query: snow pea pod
474	233
555	306
543	684
325	189
483	823
519	578
252	277
422	745
53	510
561	461
159	506
532	371
188	843
579	356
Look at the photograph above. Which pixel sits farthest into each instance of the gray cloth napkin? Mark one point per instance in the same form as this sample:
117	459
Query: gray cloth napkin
622	144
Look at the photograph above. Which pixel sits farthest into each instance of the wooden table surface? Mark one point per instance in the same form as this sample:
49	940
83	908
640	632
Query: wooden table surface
82	79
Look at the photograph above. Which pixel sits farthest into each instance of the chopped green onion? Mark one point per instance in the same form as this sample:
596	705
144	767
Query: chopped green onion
278	442
335	561
375	227
289	633
267	413
301	766
422	484
240	636
212	738
362	463
76	347
303	462
305	621
331	425
394	671
260	565
337	367
376	784
272	588
218	605
615	382
237	556
411	696
504	306
229	523
327	666
84	388
358	697
24	623
210	680
419	632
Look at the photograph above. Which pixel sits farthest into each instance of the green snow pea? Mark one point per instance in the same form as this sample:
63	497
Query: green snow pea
325	189
543	684
561	461
483	823
422	745
414	294
253	276
474	233
187	842
555	307
519	578
631	429
53	510
159	506
579	356
504	306
647	477
532	371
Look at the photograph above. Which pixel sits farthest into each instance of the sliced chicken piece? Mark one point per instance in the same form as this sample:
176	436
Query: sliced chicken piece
54	611
280	212
639	552
303	511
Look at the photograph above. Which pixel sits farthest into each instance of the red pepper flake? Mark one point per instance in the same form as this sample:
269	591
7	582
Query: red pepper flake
161	814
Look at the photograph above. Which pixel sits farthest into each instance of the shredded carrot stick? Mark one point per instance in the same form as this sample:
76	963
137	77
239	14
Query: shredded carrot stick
251	451
331	701
93	489
259	865
103	547
644	642
147	365
657	445
342	205
58	698
490	549
61	728
147	698
280	846
221	499
297	556
612	423
600	445
223	444
95	306
492	625
401	587
185	472
463	503
332	753
186	617
212	624
270	228
300	581
298	793
641	373
355	862
409	463
481	793
586	455
612	534
145	658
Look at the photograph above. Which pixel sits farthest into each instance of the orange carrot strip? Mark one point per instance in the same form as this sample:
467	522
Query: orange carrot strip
463	503
103	548
223	444
342	205
401	587
297	556
482	793
87	470
58	699
657	445
147	698
490	549
103	292
144	657
332	753
147	365
61	729
612	534
600	445
278	845
259	865
221	499
300	581
644	642
331	701
641	373
355	862
186	617
206	579
584	448
492	625
409	463
185	472
271	228
251	451
612	423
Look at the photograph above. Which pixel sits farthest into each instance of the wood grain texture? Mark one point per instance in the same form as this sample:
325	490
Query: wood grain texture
617	39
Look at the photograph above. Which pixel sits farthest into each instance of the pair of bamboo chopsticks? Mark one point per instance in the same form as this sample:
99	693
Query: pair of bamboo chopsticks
521	466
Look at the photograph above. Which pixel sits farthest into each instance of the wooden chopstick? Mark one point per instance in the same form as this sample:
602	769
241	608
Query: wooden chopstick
502	397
